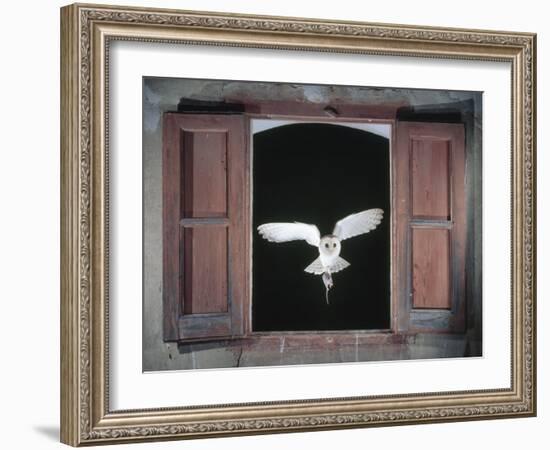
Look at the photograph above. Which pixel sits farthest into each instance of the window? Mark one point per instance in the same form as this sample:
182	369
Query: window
318	173
212	288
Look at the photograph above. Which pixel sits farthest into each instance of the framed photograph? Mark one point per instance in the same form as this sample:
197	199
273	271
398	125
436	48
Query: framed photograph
275	224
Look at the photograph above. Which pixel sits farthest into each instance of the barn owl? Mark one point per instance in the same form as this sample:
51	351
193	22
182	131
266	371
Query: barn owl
329	246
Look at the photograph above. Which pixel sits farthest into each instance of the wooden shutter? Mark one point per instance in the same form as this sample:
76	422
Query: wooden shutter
205	262
431	226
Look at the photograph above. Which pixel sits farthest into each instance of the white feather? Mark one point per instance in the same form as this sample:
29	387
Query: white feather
284	232
338	265
316	267
358	223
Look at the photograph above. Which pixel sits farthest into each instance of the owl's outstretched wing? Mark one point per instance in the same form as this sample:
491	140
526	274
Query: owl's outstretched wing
358	223
284	232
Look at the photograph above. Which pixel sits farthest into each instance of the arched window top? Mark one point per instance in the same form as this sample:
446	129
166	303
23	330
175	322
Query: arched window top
380	129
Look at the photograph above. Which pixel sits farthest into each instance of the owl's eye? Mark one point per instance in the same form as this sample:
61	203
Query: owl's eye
334	245
326	245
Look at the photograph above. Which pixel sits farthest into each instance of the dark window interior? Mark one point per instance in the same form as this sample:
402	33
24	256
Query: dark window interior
318	174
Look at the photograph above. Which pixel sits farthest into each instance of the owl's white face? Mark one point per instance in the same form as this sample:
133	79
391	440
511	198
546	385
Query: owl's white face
329	246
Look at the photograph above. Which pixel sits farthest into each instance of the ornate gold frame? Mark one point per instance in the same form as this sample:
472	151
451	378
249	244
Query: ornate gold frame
86	31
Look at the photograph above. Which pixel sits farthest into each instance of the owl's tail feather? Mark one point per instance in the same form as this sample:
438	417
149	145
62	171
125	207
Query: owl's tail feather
327	280
316	267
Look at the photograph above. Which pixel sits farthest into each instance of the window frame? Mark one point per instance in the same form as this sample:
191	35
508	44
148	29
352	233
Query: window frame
350	113
315	114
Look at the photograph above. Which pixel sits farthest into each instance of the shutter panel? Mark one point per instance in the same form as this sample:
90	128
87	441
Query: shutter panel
431	226
204	213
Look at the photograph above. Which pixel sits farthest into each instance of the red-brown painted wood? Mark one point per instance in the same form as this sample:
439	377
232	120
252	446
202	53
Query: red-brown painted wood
205	270
333	112
204	168
401	219
430	226
430	268
171	201
205	211
430	178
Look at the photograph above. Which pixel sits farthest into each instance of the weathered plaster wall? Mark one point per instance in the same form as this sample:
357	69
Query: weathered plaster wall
162	95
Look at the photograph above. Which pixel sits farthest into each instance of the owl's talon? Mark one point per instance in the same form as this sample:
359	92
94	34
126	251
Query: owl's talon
327	280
